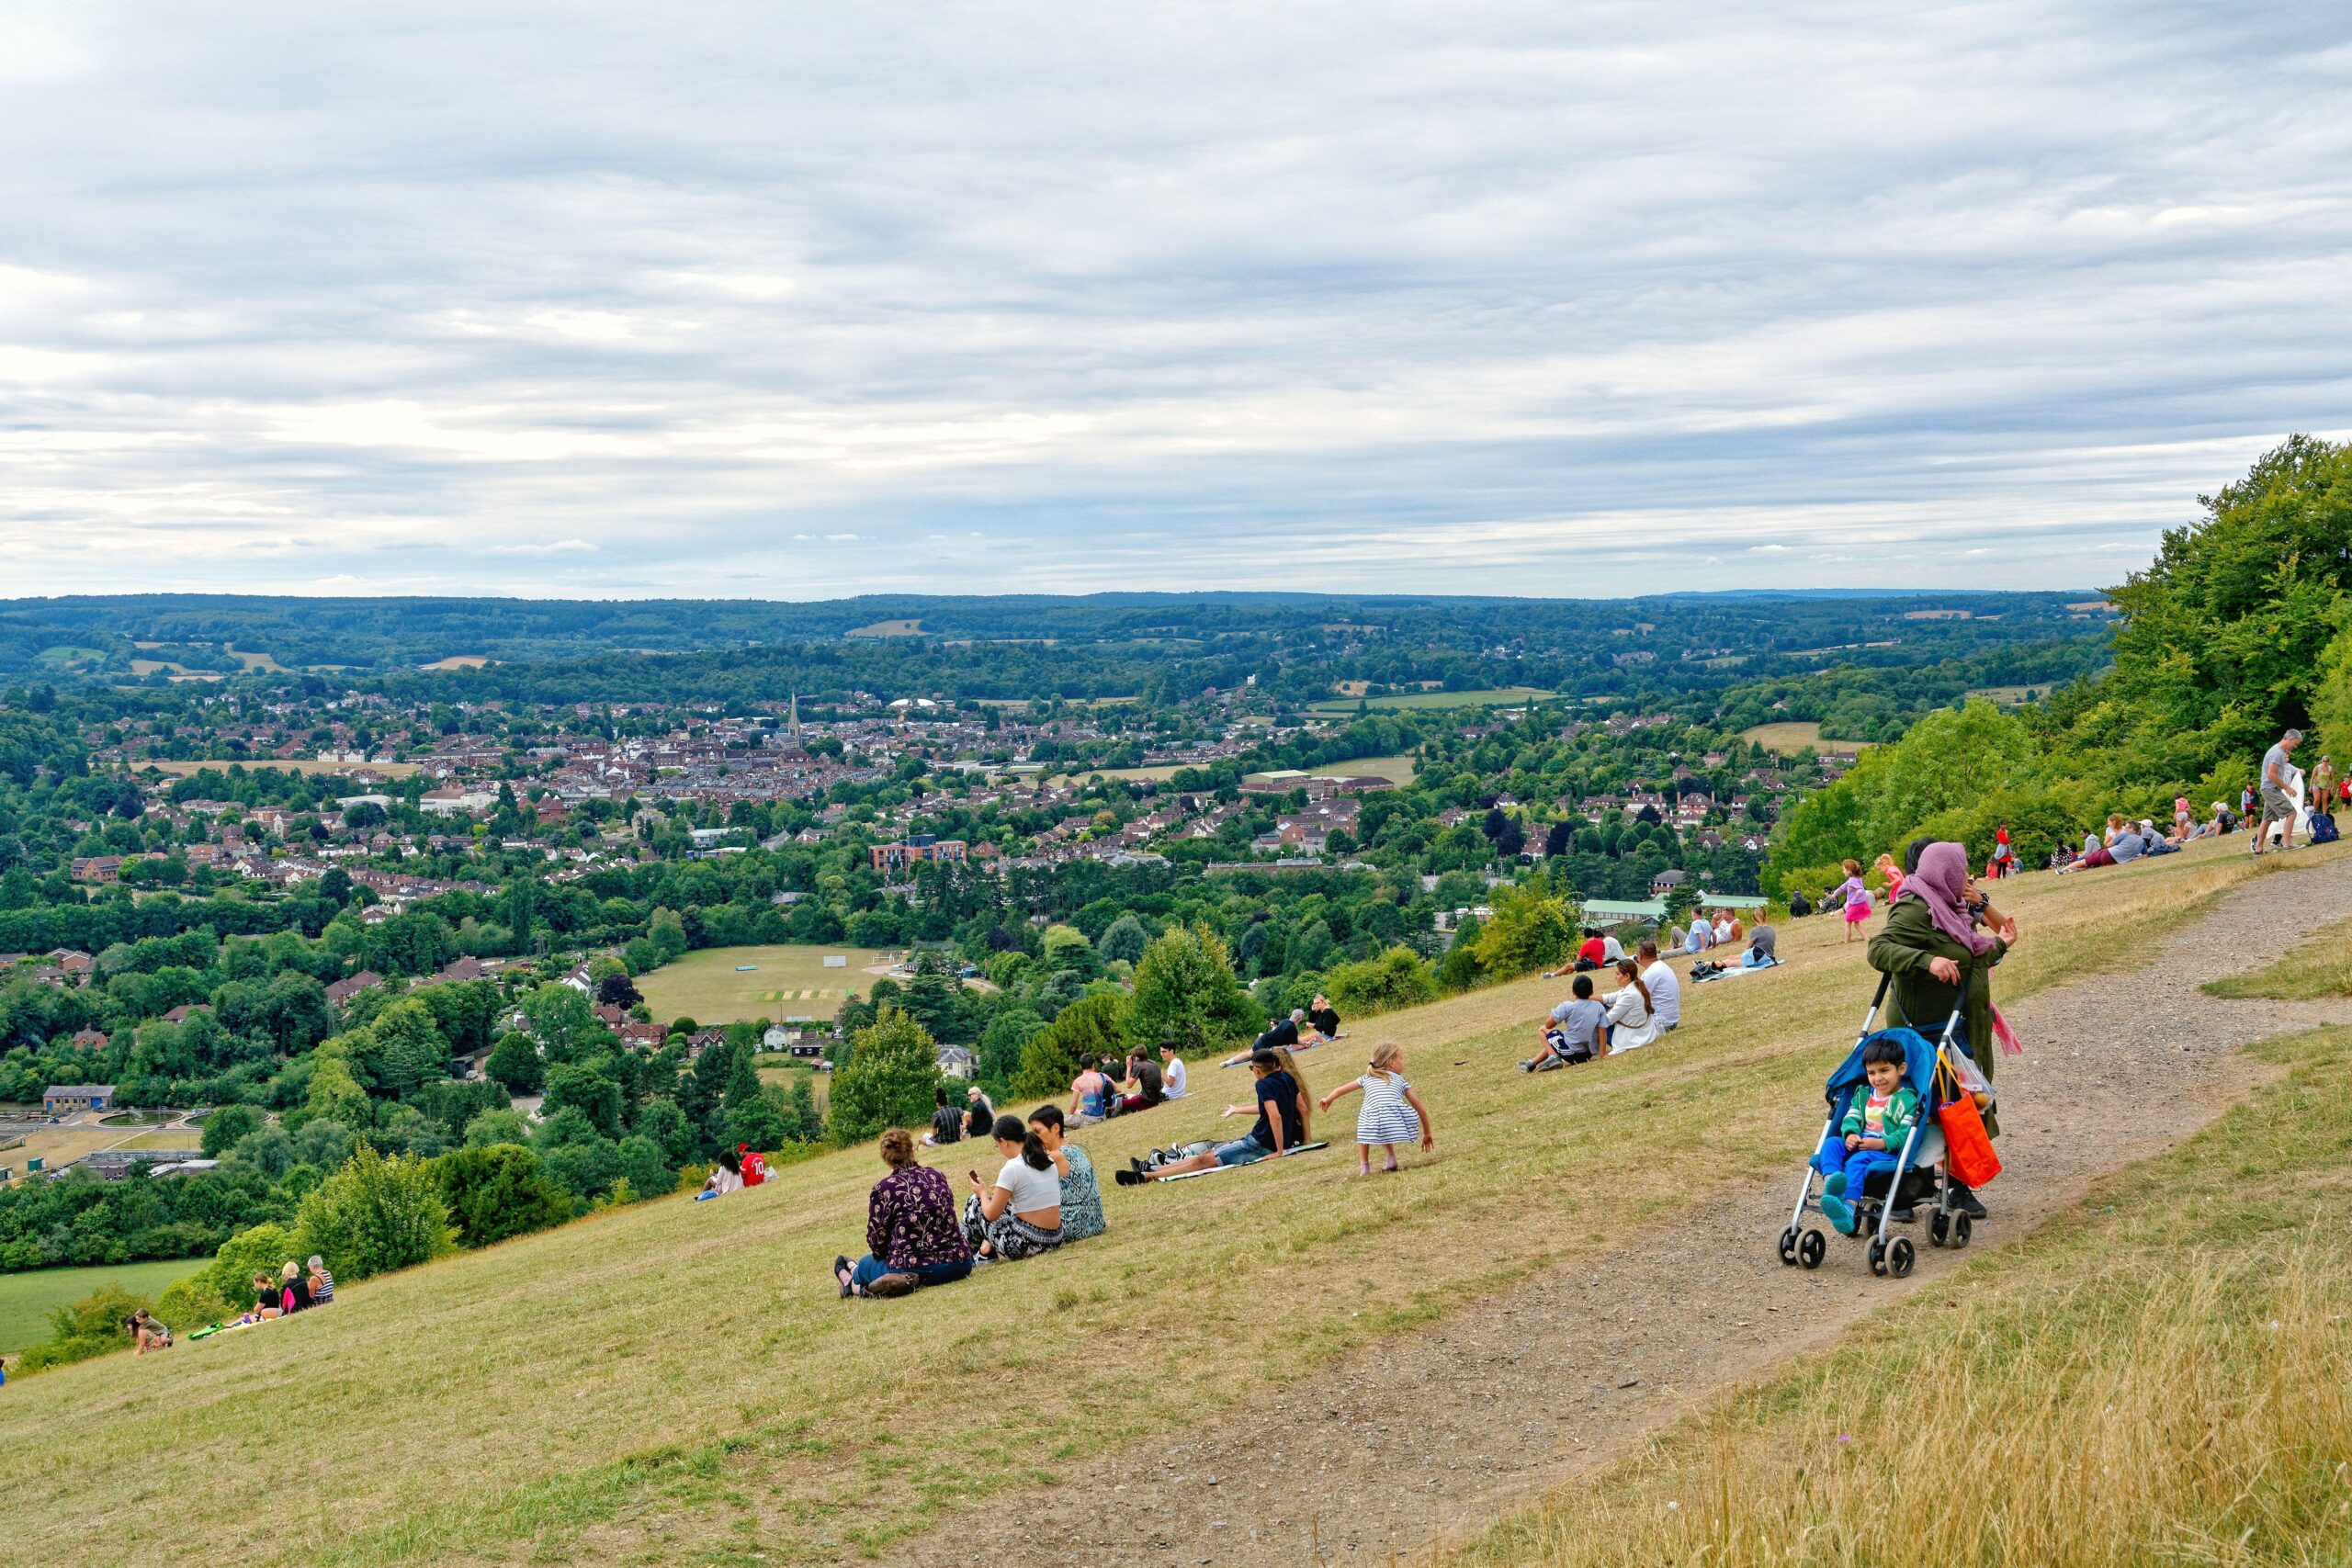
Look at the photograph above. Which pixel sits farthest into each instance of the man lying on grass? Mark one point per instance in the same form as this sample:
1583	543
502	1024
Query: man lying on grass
1281	1124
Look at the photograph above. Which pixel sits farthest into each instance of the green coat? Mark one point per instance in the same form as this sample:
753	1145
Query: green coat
1917	999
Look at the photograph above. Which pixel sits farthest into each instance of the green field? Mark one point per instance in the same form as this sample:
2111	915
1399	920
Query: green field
26	1299
1491	696
789	981
65	654
1787	739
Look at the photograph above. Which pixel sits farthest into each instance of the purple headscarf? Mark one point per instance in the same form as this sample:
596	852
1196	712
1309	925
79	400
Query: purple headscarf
1941	884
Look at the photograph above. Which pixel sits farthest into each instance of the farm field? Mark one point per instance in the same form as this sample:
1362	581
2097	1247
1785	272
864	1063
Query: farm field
737	1443
26	1299
2010	696
67	653
284	764
1786	739
886	629
458	662
790	981
1491	696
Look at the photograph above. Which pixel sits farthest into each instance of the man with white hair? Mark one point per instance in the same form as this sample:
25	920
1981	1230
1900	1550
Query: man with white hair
2279	785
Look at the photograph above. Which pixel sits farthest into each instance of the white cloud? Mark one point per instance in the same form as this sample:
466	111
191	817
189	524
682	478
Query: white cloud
1521	297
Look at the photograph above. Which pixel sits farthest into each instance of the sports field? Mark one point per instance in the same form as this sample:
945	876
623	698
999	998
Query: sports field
1488	696
785	981
1787	739
28	1299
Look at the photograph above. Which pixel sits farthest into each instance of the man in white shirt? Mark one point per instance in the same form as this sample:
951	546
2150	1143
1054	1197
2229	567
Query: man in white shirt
1665	991
1171	1072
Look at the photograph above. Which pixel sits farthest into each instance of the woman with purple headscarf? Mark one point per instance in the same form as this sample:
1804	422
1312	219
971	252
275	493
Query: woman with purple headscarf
1938	946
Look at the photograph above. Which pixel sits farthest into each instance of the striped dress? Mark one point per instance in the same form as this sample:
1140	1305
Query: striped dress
1384	1117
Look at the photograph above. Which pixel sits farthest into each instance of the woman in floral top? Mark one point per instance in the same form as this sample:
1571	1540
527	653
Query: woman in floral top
911	1228
1081	1193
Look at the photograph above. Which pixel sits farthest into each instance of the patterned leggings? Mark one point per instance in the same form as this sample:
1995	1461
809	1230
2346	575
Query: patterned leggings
1010	1236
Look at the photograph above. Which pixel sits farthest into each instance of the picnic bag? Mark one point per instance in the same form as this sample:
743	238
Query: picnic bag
1968	1148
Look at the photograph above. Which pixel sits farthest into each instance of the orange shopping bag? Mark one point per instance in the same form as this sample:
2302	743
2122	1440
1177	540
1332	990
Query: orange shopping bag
1968	1148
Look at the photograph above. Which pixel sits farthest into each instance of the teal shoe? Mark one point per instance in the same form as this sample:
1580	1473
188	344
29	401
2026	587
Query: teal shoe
1836	1186
1840	1213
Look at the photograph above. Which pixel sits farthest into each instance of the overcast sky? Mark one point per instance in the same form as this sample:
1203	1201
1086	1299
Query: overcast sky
796	302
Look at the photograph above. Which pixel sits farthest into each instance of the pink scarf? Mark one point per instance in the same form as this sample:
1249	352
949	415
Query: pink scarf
1941	884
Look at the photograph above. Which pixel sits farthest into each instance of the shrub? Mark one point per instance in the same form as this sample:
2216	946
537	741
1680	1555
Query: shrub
91	1326
192	1302
587	1167
496	1126
260	1249
375	1215
495	1192
1396	978
1529	929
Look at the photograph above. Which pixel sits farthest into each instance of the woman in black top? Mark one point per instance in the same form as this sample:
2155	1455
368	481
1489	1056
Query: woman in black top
296	1287
1325	1018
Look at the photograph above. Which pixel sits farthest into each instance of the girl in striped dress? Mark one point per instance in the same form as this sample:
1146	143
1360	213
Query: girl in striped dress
1392	1113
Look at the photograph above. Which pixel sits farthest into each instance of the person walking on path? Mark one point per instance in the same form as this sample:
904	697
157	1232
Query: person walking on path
2277	791
1937	959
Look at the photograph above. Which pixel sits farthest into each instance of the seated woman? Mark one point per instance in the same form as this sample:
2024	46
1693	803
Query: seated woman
912	1235
266	1295
1281	1124
725	1177
1021	1215
1324	1017
1632	1023
1082	1194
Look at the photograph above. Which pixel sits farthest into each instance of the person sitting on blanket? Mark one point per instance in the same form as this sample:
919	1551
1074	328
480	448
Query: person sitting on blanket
1869	1139
1324	1017
1280	1125
1761	943
1021	1216
1280	1033
1578	1030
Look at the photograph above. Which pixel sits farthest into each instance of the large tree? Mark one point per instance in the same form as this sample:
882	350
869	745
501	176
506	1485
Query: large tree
1186	991
893	1068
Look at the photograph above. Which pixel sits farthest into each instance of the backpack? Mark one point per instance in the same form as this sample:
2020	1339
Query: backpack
2323	829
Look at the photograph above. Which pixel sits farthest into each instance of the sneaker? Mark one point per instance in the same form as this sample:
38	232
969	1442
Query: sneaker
1965	1202
1839	1213
1138	1166
1836	1186
840	1267
893	1285
1903	1216
1527	1066
1127	1177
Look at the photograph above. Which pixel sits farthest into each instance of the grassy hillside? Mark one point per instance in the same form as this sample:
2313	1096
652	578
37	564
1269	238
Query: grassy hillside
676	1380
2158	1377
28	1299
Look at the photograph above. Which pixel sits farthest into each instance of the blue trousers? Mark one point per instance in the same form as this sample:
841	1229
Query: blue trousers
869	1269
1833	1157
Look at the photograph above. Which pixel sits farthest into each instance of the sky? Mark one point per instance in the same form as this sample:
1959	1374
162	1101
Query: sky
610	301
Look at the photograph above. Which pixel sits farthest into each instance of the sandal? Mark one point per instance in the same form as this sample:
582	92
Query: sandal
840	1271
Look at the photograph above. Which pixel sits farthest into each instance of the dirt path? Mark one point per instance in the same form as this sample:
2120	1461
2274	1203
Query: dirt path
1428	1437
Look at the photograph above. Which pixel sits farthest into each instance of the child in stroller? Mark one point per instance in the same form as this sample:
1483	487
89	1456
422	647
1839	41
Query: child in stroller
1867	1189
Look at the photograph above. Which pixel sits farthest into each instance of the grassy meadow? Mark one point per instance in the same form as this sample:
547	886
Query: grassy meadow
28	1299
790	980
676	1380
1486	696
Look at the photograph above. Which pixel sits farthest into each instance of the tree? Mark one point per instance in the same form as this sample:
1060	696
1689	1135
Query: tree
1124	938
618	991
1398	978
226	1126
585	1088
497	1191
336	1095
1186	991
666	1125
1529	929
803	1123
757	1119
646	1168
1049	1060
413	1050
562	1020
893	1068
514	1061
496	1126
999	1047
259	1249
375	1215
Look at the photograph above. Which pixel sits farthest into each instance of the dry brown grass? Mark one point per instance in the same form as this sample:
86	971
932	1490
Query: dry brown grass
676	1380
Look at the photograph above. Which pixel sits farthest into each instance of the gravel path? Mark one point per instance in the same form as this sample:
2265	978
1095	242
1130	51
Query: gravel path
1430	1436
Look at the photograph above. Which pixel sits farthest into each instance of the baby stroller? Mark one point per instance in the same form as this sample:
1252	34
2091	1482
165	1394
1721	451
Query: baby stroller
1917	1175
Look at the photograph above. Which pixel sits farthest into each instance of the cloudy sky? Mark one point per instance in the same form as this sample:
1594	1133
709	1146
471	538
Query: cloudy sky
795	301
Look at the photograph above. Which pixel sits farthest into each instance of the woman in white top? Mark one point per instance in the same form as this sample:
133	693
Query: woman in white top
1611	950
1632	1023
1021	1216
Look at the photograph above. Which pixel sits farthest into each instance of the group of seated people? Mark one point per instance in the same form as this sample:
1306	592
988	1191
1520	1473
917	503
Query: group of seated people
1647	1004
1304	1030
1111	1086
295	1287
1045	1195
1724	930
2125	841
